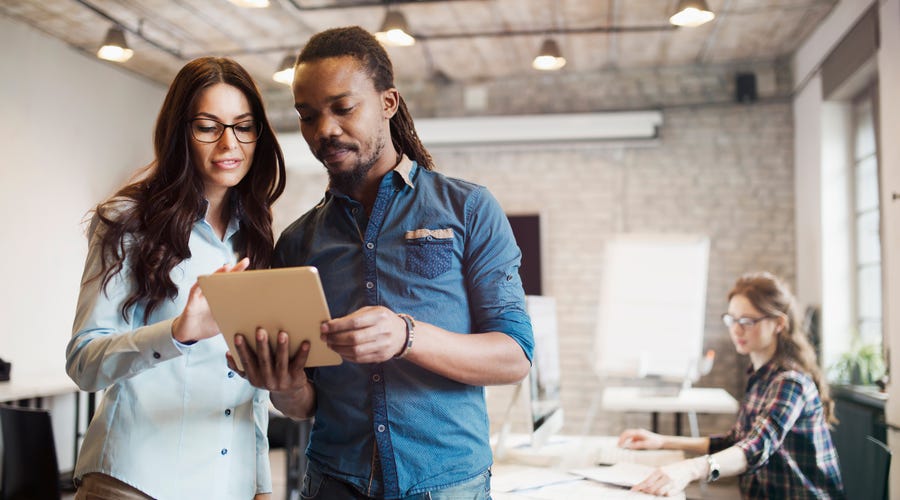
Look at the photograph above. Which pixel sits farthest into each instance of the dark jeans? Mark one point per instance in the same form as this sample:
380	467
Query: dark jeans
319	486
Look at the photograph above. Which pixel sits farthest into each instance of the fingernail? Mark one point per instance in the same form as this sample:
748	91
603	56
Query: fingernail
238	340
282	337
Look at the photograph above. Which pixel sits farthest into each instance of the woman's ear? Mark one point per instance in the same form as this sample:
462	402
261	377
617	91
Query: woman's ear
781	324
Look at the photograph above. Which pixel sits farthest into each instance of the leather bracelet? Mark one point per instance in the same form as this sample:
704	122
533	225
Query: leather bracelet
410	335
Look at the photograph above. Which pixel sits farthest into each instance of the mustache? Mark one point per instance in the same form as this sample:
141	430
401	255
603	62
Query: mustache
332	143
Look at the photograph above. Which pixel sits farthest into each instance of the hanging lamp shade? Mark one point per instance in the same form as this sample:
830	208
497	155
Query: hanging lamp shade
394	30
285	73
114	47
550	57
692	13
251	4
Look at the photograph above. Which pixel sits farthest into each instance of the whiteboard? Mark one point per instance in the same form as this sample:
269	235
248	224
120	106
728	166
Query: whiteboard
652	306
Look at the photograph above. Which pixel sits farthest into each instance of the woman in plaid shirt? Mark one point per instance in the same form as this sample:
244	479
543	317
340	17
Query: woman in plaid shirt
780	445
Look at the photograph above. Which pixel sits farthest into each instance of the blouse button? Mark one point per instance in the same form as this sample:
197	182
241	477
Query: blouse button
228	412
230	374
224	451
156	355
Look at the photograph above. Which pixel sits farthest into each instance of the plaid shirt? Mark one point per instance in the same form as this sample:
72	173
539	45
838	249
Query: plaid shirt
782	430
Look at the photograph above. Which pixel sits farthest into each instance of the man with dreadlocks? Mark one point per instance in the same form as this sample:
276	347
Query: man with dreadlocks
421	273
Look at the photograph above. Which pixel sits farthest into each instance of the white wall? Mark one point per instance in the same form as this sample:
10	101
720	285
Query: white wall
73	128
810	113
889	122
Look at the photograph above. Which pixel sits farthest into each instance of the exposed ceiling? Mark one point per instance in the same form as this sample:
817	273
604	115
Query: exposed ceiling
460	40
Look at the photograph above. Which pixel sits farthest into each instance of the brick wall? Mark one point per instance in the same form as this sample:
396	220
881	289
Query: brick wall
717	168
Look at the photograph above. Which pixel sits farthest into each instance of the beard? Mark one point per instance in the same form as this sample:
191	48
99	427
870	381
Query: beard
348	181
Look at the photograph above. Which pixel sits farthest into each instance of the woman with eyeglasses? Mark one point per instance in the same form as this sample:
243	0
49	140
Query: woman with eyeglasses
780	445
174	422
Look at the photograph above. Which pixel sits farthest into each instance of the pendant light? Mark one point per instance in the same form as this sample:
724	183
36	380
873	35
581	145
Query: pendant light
285	73
692	13
251	4
114	47
549	58
395	30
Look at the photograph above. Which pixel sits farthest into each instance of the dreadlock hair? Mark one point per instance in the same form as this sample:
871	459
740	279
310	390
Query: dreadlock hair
148	223
361	45
793	351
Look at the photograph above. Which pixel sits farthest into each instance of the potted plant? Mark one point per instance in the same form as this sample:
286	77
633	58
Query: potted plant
863	364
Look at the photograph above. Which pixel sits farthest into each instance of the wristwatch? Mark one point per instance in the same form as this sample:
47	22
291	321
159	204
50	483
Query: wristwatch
713	473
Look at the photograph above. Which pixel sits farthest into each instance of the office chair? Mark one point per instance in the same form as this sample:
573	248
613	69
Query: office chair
30	470
876	468
293	436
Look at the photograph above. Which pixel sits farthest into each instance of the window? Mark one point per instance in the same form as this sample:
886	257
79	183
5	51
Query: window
866	232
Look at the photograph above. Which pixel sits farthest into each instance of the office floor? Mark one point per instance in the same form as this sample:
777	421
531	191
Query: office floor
726	489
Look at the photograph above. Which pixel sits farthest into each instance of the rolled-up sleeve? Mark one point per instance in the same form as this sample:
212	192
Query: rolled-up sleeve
783	406
492	272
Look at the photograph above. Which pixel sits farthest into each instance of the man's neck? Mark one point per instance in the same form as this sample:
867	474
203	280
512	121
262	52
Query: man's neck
367	192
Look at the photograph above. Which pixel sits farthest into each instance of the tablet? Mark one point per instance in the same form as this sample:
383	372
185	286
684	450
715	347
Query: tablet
288	298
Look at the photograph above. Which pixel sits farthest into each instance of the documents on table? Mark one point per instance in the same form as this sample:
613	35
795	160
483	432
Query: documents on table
622	474
509	478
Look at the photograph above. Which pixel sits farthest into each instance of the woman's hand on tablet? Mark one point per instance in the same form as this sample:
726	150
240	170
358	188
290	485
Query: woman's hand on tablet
196	322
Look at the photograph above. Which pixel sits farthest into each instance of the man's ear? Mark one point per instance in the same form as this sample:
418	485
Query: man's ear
390	102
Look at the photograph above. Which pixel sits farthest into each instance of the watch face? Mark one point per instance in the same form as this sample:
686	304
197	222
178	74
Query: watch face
713	470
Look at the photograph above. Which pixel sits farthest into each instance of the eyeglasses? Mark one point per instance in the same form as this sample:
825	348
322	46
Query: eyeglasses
209	130
744	322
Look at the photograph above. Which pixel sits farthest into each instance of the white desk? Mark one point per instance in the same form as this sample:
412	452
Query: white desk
33	387
523	472
691	401
29	389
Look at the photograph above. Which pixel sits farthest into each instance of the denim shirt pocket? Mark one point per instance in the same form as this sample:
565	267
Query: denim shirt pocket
429	252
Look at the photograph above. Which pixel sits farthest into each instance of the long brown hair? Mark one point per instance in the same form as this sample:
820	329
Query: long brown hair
360	44
149	222
793	351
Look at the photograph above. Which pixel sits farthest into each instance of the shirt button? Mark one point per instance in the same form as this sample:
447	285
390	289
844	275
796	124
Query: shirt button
370	285
228	412
370	245
376	378
230	374
380	428
354	210
157	355
224	451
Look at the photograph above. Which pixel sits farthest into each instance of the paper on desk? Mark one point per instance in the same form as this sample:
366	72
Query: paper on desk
509	478
621	474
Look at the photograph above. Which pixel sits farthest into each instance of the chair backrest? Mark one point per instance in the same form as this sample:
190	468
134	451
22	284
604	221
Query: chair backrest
30	470
877	463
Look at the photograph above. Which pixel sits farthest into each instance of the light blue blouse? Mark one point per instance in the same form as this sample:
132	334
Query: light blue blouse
174	421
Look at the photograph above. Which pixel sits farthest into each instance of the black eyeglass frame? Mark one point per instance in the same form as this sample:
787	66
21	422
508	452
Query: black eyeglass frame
744	322
259	130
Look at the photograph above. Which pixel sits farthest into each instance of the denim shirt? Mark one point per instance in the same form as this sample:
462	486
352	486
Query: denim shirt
174	421
441	250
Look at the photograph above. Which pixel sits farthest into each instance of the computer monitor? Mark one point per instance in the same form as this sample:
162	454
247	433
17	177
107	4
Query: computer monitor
545	403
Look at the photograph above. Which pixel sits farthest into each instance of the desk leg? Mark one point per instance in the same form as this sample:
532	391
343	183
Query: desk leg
77	428
654	421
677	423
